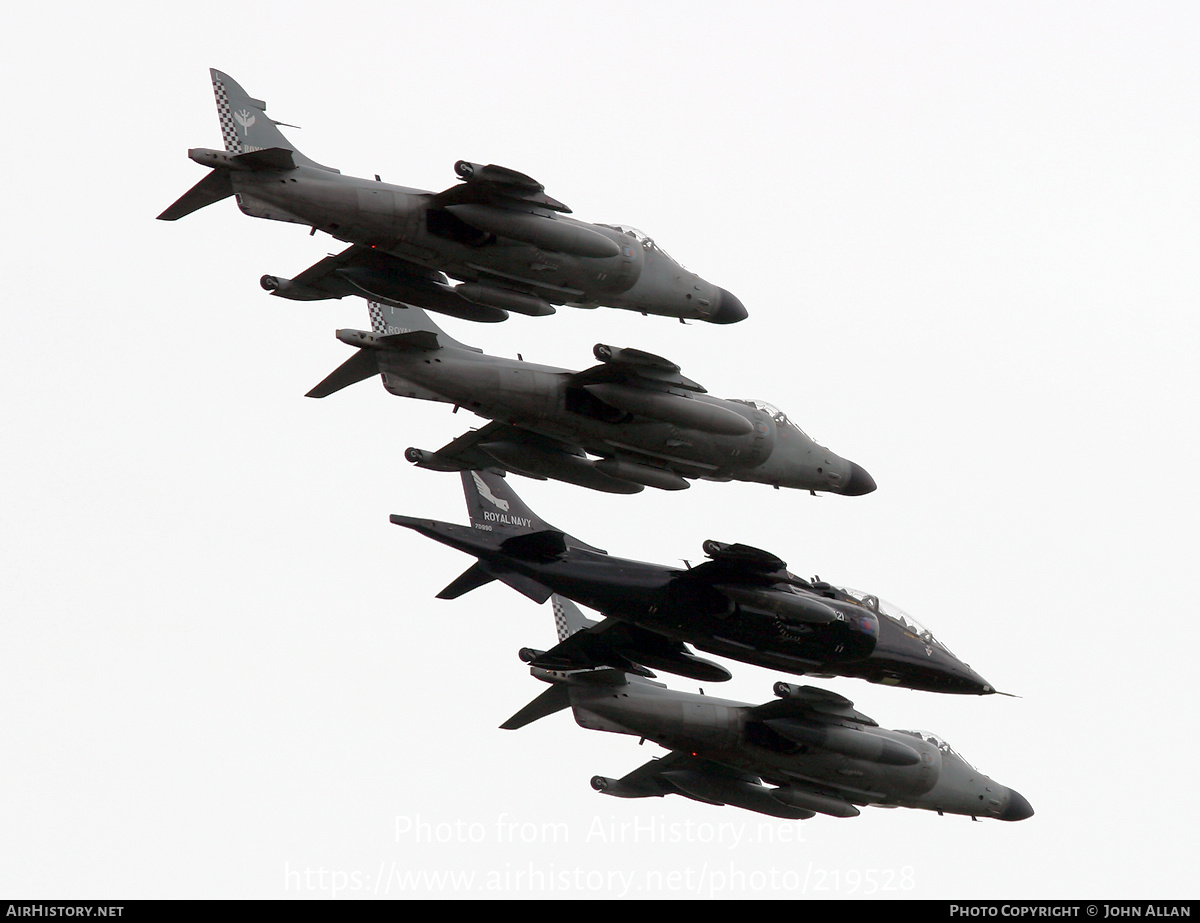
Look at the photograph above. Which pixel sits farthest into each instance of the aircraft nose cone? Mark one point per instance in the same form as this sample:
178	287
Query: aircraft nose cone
730	309
979	685
1018	808
860	482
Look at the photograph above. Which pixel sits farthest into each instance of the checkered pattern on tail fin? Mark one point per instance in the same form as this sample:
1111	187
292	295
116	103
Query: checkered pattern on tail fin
560	619
225	116
378	324
568	619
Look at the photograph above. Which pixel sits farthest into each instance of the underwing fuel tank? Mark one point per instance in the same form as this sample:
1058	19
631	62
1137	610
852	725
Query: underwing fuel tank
815	801
561	466
707	790
715	790
504	299
641	474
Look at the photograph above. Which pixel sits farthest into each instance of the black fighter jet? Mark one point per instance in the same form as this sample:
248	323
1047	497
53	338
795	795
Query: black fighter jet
496	231
743	603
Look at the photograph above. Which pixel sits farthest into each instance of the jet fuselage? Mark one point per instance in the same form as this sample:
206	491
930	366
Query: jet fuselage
766	621
510	245
543	400
820	762
631	273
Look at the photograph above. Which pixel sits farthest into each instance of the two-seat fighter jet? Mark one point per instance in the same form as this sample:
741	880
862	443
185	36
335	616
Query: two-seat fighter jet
509	244
742	604
649	424
808	752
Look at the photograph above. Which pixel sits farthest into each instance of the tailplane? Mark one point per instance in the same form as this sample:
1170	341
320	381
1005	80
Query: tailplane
551	700
505	535
393	327
568	620
213	188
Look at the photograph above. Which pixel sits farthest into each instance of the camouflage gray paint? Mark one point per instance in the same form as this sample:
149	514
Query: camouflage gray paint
807	752
497	231
649	424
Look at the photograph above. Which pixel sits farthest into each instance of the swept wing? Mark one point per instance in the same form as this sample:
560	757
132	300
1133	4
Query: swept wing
378	276
680	773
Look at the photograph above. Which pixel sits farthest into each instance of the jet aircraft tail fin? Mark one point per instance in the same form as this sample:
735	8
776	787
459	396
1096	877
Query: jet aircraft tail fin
394	327
568	618
253	141
493	506
245	125
390	319
502	528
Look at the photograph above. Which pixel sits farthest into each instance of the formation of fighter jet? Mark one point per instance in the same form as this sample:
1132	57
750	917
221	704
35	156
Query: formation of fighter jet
497	232
808	752
649	424
742	604
631	421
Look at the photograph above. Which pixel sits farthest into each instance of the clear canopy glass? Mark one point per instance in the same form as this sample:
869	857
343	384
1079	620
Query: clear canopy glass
938	742
780	418
891	610
641	237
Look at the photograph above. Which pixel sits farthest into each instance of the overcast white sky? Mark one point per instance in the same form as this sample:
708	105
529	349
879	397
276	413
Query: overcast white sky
966	235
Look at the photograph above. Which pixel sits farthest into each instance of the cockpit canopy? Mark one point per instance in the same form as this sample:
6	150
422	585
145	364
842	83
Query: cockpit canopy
641	237
936	741
907	622
780	418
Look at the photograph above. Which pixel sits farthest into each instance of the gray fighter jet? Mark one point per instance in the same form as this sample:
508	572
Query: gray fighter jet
808	752
497	232
649	424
